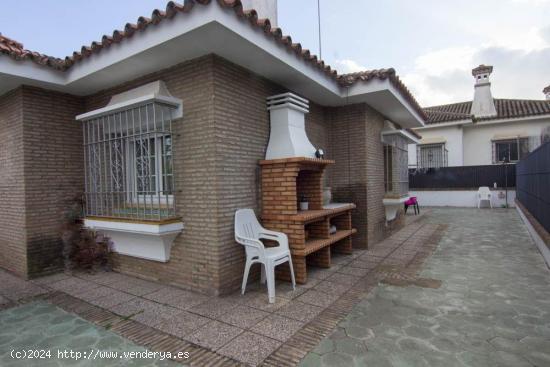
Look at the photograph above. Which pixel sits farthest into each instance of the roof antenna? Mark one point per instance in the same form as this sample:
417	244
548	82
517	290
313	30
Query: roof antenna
319	24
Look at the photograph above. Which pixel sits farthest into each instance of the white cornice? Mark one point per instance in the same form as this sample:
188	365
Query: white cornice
444	124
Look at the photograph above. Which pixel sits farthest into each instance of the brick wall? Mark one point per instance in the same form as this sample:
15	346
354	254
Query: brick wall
242	133
13	254
348	177
41	165
376	219
194	260
54	173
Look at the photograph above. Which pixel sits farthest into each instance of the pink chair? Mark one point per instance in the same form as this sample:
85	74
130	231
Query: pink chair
414	203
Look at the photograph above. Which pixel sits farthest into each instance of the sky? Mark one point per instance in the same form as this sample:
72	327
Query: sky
432	44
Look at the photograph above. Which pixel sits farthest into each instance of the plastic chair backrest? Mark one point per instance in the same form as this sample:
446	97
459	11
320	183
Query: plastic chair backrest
484	191
248	227
246	224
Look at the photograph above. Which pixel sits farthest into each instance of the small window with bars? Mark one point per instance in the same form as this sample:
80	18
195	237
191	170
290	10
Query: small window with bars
431	155
129	163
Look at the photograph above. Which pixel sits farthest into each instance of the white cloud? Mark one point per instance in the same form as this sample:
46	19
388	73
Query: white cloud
348	66
521	69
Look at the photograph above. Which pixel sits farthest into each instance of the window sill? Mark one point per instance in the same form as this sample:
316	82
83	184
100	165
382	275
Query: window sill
148	240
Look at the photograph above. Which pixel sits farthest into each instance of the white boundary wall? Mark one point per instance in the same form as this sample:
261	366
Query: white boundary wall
461	198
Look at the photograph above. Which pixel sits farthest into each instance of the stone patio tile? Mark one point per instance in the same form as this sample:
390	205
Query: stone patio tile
178	298
94	293
156	316
261	302
182	324
214	308
332	288
134	306
243	316
73	285
136	287
250	348
277	327
311	282
299	311
381	250
284	289
316	298
104	277
321	273
113	299
363	263
351	270
343	278
340	259
394	261
214	335
372	258
49	279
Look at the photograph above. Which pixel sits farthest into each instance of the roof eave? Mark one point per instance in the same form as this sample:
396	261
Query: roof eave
382	95
214	30
445	124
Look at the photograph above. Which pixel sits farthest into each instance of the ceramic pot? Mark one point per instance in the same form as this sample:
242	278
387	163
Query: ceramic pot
304	205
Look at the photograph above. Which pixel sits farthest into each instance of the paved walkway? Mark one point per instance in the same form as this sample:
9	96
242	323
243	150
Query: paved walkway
232	329
492	307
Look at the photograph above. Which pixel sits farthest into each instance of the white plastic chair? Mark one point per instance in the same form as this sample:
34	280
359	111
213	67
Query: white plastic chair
249	232
484	194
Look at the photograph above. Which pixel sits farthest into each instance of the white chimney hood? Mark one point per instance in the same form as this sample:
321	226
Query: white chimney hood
288	136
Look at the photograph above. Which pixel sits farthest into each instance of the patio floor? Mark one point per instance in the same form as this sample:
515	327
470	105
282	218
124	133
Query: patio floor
243	329
491	309
483	297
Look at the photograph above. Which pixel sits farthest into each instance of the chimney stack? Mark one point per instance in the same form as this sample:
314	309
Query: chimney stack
288	138
546	92
483	104
266	9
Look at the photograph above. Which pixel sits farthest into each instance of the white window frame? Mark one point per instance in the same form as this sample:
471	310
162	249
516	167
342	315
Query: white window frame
132	178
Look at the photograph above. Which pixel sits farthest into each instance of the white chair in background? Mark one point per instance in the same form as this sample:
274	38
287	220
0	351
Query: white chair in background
249	233
484	194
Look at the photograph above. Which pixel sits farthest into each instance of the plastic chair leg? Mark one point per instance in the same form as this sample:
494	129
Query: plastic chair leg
292	273
262	274
270	273
245	276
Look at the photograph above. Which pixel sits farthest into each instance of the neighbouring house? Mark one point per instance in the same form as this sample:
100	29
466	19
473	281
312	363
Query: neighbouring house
171	124
483	131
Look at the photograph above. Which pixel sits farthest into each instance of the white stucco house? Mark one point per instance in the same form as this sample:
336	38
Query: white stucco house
483	131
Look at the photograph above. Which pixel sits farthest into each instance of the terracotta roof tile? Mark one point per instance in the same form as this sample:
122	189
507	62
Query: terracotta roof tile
15	49
506	108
